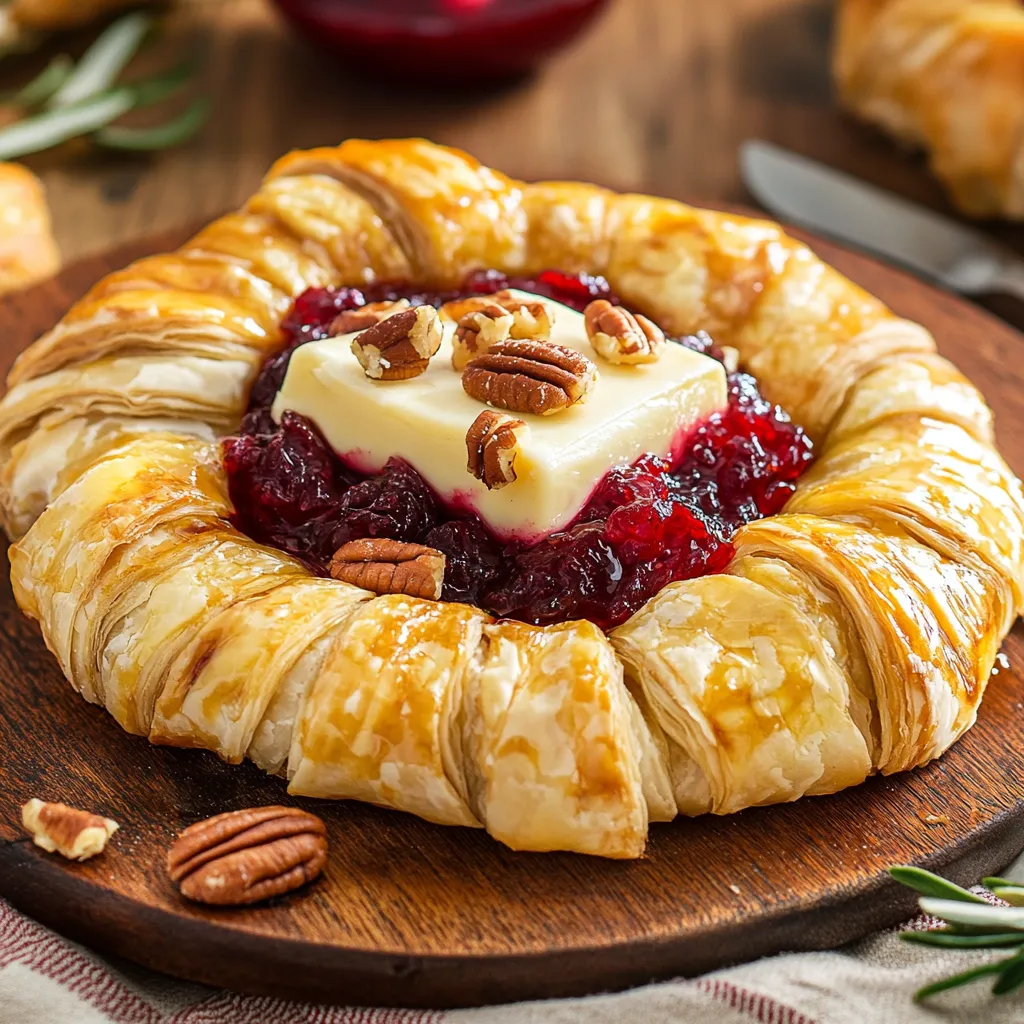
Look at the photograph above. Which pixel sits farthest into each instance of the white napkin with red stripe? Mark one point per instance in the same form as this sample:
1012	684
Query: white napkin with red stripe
44	979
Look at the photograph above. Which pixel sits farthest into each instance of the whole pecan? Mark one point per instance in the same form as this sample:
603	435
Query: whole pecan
492	443
350	320
477	331
57	828
248	856
386	566
530	376
399	347
620	336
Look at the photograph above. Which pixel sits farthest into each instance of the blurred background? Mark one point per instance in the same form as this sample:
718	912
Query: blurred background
651	95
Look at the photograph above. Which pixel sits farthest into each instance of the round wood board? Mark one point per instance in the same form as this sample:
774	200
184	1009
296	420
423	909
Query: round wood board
411	914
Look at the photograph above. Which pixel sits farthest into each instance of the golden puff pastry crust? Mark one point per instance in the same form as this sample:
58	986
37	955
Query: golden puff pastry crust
28	252
852	634
946	76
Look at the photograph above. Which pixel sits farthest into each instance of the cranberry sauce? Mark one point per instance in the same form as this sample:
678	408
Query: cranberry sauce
644	526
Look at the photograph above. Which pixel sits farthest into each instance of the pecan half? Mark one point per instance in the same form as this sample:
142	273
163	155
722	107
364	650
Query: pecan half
399	347
247	856
492	443
620	336
530	317
477	331
530	376
350	320
386	566
57	828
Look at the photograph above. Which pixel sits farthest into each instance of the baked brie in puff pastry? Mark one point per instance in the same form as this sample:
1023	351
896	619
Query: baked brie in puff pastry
796	653
946	76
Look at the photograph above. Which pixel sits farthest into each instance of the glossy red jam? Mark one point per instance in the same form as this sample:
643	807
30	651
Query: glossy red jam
644	526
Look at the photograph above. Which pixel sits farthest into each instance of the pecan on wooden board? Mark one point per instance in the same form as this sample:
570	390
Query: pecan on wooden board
57	828
385	566
530	376
248	856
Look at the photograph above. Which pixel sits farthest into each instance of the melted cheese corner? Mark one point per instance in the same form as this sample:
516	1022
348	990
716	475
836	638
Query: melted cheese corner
633	410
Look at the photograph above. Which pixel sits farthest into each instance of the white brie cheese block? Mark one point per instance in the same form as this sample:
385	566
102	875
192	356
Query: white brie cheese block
631	411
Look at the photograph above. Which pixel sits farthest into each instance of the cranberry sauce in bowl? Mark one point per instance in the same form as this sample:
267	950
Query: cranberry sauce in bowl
644	525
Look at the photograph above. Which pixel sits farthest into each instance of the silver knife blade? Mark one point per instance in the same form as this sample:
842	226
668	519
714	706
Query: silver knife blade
826	200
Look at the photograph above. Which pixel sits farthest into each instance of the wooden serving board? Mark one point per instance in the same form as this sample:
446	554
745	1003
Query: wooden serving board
416	915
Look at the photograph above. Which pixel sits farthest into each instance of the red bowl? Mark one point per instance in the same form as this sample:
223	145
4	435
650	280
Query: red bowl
445	41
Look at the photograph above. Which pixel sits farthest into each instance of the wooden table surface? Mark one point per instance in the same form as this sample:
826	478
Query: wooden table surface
655	96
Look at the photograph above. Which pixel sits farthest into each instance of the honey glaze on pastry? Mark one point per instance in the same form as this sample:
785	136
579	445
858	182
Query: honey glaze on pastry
706	620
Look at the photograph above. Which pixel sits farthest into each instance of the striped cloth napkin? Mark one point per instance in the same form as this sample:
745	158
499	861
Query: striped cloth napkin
44	979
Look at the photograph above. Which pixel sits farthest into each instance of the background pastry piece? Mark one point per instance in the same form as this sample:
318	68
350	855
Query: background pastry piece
948	76
28	252
743	683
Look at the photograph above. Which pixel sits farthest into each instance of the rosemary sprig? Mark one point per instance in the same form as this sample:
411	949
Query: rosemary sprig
67	100
969	923
102	64
45	84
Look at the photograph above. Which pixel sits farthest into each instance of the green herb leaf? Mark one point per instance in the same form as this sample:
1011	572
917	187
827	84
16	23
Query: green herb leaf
170	133
956	980
991	882
53	127
45	84
954	940
103	62
992	919
928	884
1012	975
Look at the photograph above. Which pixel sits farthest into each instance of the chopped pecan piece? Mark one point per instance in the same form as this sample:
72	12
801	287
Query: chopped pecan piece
386	566
492	444
477	331
620	336
399	347
75	834
248	856
530	376
351	320
530	317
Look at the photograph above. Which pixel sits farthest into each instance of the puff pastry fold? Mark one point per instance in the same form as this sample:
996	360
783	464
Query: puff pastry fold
854	633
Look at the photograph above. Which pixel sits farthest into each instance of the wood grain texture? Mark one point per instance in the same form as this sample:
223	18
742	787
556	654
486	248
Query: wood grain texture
655	96
414	914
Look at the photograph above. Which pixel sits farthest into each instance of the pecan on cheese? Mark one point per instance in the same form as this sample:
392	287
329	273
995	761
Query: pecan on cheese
530	376
350	320
620	336
492	443
477	331
401	346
